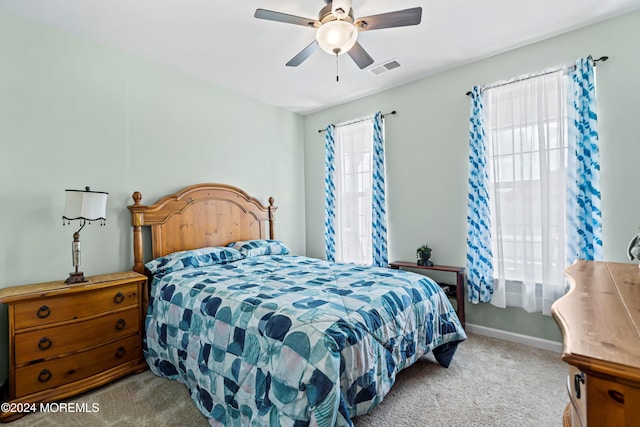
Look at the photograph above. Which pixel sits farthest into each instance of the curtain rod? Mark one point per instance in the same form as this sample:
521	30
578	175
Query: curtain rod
595	61
393	113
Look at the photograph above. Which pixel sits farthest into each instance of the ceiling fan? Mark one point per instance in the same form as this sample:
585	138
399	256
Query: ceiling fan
337	30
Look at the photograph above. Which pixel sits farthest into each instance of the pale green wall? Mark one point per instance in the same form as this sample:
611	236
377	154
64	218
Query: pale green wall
427	153
75	113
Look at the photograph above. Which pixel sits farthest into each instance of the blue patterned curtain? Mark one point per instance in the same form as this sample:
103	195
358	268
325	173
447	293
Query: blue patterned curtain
379	211
329	195
479	256
583	204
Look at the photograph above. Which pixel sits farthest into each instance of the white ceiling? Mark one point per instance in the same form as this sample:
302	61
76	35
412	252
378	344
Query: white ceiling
221	42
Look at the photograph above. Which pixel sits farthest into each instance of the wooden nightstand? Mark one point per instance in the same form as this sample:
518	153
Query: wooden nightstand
67	339
456	291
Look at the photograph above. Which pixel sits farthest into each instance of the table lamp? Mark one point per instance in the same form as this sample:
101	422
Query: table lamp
85	206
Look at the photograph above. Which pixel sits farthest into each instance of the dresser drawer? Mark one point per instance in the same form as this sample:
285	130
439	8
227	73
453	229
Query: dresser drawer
611	403
63	370
76	336
73	306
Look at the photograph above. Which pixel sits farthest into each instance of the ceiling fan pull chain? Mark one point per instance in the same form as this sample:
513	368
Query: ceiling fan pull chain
337	73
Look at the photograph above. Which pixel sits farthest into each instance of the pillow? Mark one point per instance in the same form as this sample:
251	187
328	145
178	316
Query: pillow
193	258
260	247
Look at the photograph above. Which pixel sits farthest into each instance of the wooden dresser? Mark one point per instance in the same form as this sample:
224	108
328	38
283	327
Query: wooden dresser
600	322
67	339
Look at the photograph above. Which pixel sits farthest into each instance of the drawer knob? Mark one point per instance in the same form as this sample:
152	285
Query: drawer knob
577	379
44	376
43	312
617	396
118	298
120	352
120	324
44	343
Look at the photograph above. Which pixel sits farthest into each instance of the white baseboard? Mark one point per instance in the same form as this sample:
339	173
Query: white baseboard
514	337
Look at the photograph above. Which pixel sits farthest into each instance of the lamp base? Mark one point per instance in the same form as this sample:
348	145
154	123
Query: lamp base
76	277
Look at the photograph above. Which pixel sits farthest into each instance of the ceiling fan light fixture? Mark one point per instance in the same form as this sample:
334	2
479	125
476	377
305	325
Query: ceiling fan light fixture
337	37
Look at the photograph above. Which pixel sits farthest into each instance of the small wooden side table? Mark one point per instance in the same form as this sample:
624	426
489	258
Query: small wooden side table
459	272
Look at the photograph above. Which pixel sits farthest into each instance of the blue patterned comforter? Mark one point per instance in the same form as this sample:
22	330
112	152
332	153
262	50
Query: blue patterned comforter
290	340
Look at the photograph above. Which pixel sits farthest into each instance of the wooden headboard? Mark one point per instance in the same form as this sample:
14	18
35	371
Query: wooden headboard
199	216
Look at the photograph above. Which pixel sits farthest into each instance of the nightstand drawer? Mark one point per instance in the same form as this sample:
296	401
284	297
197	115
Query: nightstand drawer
59	309
52	341
56	372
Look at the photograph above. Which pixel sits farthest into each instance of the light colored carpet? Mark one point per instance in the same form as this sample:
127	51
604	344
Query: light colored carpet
489	383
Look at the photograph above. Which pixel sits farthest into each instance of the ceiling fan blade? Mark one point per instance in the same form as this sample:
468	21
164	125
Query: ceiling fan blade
288	19
360	56
304	54
399	18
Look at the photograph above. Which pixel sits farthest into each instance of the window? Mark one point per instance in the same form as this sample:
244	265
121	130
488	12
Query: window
527	143
534	192
355	220
353	172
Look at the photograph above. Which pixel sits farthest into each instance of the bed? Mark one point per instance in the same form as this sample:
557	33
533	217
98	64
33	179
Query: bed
264	337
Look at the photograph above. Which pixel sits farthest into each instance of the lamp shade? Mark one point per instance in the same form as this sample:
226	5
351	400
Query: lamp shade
85	204
337	37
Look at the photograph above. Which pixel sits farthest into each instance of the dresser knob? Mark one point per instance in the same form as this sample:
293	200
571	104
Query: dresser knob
44	343
118	298
120	324
120	352
617	396
43	312
44	376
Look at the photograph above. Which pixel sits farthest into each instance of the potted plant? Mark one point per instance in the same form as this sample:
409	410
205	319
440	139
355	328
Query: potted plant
423	253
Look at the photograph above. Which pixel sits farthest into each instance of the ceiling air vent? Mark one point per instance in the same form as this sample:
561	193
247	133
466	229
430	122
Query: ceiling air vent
387	66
